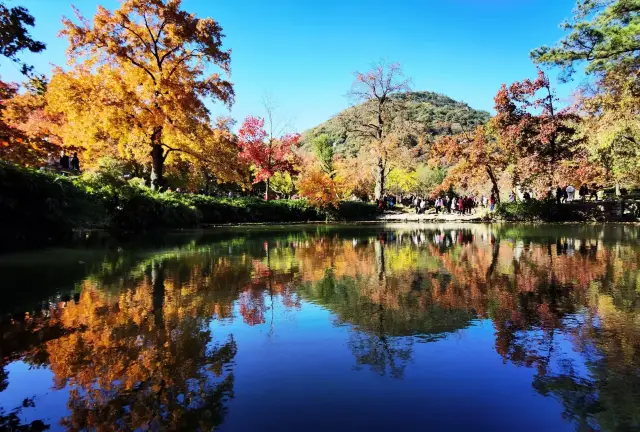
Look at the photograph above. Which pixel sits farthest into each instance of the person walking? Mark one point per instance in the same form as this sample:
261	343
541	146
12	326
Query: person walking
583	192
571	192
492	202
558	195
75	162
594	191
64	160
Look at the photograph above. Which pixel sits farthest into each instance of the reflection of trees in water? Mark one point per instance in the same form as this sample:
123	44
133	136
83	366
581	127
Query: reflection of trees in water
136	350
137	361
142	357
537	291
381	353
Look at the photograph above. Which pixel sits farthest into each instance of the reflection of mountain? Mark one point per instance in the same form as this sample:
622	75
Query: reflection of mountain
135	346
411	314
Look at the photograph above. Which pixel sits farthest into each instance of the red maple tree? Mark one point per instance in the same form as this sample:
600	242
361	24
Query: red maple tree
267	154
529	120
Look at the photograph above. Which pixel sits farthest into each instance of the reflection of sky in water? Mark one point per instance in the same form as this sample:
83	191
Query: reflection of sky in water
29	382
463	328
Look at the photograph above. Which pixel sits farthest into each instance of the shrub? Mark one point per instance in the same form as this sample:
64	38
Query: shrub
36	207
546	210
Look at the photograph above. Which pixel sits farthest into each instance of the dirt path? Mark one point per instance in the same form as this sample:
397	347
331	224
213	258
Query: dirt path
413	217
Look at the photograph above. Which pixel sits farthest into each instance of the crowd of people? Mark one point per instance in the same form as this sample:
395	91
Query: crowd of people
454	204
566	193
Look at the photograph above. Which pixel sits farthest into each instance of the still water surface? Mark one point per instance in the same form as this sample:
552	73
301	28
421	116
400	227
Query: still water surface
443	327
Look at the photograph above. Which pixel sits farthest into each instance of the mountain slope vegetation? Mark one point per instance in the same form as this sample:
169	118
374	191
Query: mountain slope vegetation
438	113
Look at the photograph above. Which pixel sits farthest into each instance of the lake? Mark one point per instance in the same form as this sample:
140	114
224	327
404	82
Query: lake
394	327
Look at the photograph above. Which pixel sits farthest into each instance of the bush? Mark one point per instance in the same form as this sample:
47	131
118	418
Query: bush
548	211
354	211
37	207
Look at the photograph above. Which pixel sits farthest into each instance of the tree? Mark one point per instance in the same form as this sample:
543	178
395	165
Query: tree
428	178
282	183
534	129
319	189
379	121
611	125
267	153
472	157
31	133
603	33
144	66
401	181
324	152
7	92
14	35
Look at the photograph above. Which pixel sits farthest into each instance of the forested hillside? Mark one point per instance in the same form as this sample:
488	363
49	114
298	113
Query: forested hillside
439	114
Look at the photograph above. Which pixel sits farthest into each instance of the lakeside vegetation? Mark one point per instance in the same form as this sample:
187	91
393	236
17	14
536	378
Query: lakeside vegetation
135	95
40	207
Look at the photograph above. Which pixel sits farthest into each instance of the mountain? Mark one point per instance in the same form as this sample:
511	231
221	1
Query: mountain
440	115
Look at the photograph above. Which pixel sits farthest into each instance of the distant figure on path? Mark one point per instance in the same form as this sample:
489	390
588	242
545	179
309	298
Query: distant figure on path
526	196
583	192
492	201
512	197
594	191
571	192
558	195
75	162
64	160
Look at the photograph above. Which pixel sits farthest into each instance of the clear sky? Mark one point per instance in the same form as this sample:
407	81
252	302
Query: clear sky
304	52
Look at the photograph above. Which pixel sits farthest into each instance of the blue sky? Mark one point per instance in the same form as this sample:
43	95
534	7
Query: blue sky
304	52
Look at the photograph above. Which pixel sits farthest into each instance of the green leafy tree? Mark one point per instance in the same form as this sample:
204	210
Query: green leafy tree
14	35
324	151
282	183
603	33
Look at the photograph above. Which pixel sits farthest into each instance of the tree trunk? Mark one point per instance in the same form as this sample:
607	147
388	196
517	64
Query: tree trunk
266	190
157	159
157	281
380	180
494	184
157	166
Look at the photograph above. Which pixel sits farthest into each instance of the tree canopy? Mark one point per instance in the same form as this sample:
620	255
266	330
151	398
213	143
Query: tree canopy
14	35
142	68
602	33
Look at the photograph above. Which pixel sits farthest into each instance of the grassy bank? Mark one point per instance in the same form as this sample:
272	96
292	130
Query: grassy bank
40	208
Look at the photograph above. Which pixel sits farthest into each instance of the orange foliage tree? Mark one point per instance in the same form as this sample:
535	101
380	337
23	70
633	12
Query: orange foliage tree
319	188
140	79
31	133
473	158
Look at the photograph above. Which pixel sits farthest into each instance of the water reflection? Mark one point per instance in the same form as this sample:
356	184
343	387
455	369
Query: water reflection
136	341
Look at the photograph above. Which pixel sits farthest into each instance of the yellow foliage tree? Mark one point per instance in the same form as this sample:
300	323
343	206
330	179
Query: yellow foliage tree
139	81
